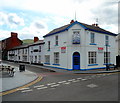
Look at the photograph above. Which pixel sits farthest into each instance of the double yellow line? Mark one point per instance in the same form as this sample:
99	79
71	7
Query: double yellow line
27	85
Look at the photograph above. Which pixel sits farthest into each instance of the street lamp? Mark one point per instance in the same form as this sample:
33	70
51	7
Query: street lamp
106	44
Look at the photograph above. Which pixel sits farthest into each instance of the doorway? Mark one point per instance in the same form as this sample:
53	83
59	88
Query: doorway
76	61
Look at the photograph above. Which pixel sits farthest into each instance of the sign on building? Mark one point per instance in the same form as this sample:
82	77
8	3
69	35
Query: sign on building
63	49
76	37
100	49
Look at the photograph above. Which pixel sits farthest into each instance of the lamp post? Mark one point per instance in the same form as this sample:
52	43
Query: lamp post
107	66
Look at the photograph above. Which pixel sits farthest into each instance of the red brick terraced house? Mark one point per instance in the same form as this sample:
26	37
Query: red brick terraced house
9	43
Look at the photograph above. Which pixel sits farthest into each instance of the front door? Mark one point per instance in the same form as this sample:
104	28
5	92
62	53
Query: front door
76	61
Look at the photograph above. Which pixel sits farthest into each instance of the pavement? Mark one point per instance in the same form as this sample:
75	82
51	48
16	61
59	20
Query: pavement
25	77
19	79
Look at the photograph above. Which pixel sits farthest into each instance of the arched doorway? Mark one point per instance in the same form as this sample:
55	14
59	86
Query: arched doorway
76	61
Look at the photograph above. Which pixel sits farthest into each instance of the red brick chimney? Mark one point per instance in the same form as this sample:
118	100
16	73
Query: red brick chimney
72	21
14	34
36	39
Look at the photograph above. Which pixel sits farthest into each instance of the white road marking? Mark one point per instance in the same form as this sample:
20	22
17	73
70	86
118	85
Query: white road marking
76	81
27	91
55	85
92	85
51	83
42	88
23	88
62	82
83	79
79	78
67	83
71	80
38	86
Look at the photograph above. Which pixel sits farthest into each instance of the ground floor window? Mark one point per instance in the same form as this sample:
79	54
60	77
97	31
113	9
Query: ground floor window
24	58
106	57
56	58
92	57
35	59
47	58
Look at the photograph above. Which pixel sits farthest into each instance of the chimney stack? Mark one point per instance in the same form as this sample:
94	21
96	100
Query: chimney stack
96	25
14	34
72	21
36	39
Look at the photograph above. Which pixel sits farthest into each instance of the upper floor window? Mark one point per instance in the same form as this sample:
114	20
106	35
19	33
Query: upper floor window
39	48
48	45
76	37
56	40
106	40
92	38
23	51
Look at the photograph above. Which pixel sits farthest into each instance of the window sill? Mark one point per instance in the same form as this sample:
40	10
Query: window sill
56	64
92	64
93	44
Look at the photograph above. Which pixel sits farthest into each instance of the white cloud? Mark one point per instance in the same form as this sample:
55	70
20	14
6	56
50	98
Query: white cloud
37	28
11	20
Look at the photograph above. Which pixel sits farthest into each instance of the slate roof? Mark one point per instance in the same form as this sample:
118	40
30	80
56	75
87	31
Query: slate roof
27	45
85	26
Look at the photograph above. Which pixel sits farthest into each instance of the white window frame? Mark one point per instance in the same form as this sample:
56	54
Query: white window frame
106	40
92	37
92	57
56	40
56	57
47	58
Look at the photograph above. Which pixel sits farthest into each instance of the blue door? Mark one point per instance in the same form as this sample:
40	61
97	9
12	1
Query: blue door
76	61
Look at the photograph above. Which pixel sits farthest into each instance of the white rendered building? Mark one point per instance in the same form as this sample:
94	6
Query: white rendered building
78	46
36	52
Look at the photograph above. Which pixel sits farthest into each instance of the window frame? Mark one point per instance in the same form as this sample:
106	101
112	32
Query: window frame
56	40
92	37
92	57
56	57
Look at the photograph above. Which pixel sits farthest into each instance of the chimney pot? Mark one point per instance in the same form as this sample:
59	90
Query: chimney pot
36	39
72	21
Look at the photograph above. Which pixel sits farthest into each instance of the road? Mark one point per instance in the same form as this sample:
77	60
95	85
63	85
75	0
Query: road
68	87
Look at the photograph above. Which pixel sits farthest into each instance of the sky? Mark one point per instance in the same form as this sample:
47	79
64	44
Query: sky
30	18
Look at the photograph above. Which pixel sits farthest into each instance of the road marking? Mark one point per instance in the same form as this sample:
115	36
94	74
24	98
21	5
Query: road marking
23	88
71	80
67	83
51	83
42	88
92	85
76	81
83	79
27	91
55	85
79	78
62	82
38	86
27	85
